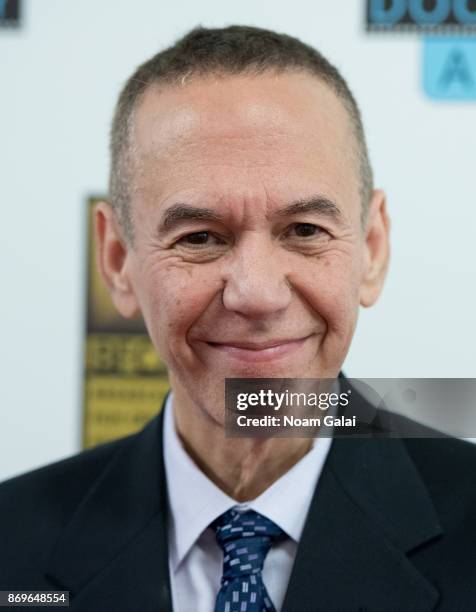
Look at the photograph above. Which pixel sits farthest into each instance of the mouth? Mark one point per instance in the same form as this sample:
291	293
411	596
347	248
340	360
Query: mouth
250	351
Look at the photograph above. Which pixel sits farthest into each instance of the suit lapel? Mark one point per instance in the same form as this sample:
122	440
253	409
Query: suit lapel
113	554
369	511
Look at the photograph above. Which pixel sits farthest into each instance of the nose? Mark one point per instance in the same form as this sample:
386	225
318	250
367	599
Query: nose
256	283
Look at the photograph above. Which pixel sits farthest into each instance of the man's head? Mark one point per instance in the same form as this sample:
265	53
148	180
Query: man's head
246	253
236	50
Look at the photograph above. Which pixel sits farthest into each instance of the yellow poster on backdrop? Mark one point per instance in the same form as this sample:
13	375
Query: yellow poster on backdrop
124	379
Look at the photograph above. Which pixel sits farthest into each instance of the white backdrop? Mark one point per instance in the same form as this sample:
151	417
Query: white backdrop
59	77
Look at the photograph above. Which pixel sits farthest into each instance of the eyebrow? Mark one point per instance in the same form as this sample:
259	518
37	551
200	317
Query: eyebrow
179	213
318	204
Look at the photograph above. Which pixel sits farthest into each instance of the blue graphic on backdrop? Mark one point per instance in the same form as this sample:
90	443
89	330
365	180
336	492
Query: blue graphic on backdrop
9	13
449	68
421	15
3	8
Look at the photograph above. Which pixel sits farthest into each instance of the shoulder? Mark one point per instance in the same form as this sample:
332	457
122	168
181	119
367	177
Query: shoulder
447	466
35	506
69	475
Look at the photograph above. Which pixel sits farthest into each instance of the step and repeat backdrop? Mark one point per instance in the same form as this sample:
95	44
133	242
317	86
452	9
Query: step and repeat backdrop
75	374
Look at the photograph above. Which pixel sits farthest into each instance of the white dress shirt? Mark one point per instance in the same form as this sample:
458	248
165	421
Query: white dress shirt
195	558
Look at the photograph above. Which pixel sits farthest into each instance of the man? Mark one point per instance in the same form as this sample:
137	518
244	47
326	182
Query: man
243	225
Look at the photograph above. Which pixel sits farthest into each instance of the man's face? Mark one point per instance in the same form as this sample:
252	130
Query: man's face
249	259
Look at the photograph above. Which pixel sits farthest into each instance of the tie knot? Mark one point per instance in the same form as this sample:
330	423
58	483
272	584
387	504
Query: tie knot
245	538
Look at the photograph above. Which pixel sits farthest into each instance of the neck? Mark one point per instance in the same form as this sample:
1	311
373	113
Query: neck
242	467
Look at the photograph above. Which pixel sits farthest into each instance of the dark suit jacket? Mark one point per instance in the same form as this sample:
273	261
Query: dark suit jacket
392	527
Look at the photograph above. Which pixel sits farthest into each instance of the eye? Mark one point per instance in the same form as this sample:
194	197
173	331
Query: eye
306	230
199	239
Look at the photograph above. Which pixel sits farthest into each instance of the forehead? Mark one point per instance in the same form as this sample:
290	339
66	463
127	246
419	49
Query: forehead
283	131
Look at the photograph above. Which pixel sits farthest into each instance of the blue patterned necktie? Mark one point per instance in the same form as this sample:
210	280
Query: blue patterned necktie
245	538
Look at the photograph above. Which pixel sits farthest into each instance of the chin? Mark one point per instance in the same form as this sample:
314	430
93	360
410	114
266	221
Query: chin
273	370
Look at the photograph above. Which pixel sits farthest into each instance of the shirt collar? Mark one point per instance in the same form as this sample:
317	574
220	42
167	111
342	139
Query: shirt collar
195	501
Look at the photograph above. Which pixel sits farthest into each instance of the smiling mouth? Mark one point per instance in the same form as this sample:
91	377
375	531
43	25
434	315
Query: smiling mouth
259	351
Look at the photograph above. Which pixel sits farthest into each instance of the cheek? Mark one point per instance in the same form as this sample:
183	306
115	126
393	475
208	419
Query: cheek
331	287
172	299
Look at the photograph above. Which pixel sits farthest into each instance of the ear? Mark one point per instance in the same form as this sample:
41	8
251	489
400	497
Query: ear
113	256
376	249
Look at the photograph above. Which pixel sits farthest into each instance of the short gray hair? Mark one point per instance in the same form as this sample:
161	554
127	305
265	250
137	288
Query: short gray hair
226	51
